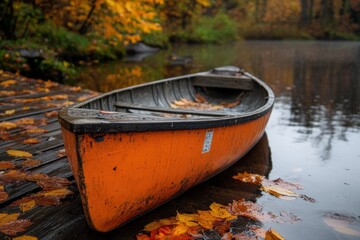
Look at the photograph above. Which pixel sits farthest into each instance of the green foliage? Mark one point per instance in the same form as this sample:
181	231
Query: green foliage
273	32
209	29
213	29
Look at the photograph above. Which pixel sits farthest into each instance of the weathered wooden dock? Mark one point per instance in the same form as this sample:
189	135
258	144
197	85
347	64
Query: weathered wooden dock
28	124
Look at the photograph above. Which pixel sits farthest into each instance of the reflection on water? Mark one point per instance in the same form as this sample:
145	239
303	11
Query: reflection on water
314	130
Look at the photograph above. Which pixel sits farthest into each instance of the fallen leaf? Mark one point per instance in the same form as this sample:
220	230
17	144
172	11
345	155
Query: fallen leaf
246	209
206	219
7	83
180	229
61	153
9	112
288	185
221	211
75	89
25	237
8	217
249	178
8	125
7	93
25	121
189	220
26	206
343	224
36	130
31	141
12	228
30	163
3	196
62	192
51	114
5	165
142	237
52	183
159	223
279	192
222	226
18	153
273	235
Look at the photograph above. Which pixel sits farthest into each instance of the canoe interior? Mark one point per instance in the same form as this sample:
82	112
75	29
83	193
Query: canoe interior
162	94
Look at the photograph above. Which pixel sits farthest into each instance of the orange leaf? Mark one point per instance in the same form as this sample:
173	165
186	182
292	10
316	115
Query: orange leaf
249	178
25	121
36	130
206	220
51	114
3	195
246	209
4	165
30	162
18	153
12	228
31	141
25	237
61	153
62	192
53	183
6	217
273	235
8	125
7	83
26	206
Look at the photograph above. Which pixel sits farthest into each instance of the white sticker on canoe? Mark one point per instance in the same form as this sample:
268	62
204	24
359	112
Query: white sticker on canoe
207	142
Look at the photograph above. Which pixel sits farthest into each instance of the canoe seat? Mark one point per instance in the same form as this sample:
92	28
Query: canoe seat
220	81
170	110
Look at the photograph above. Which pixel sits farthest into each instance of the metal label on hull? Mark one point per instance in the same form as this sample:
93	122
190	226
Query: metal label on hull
207	141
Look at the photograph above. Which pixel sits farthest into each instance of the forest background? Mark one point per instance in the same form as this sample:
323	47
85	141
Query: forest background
51	37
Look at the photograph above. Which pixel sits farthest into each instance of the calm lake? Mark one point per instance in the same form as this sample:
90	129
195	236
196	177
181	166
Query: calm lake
312	138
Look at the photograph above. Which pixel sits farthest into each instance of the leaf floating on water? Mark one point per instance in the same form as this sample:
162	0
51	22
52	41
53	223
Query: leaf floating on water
279	192
5	165
18	153
249	178
288	185
206	219
271	234
343	224
221	211
246	209
25	237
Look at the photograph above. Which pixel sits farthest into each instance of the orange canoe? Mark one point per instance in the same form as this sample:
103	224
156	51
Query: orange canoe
133	149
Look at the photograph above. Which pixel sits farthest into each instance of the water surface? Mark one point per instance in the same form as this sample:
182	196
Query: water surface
313	133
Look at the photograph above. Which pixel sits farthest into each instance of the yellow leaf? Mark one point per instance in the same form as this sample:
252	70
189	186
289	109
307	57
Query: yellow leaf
273	235
188	219
56	192
26	206
9	112
25	237
221	211
6	218
180	229
157	224
7	83
18	153
36	130
206	220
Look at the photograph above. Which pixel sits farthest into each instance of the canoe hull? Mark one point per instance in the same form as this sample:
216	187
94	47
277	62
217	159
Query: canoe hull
124	174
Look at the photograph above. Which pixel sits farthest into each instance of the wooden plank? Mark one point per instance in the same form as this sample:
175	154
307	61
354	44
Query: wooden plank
242	83
169	110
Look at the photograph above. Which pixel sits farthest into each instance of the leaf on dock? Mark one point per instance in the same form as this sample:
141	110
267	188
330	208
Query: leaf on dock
11	225
18	153
31	141
25	237
5	165
8	125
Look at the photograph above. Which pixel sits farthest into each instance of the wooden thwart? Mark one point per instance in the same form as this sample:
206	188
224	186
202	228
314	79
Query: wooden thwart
242	83
168	110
